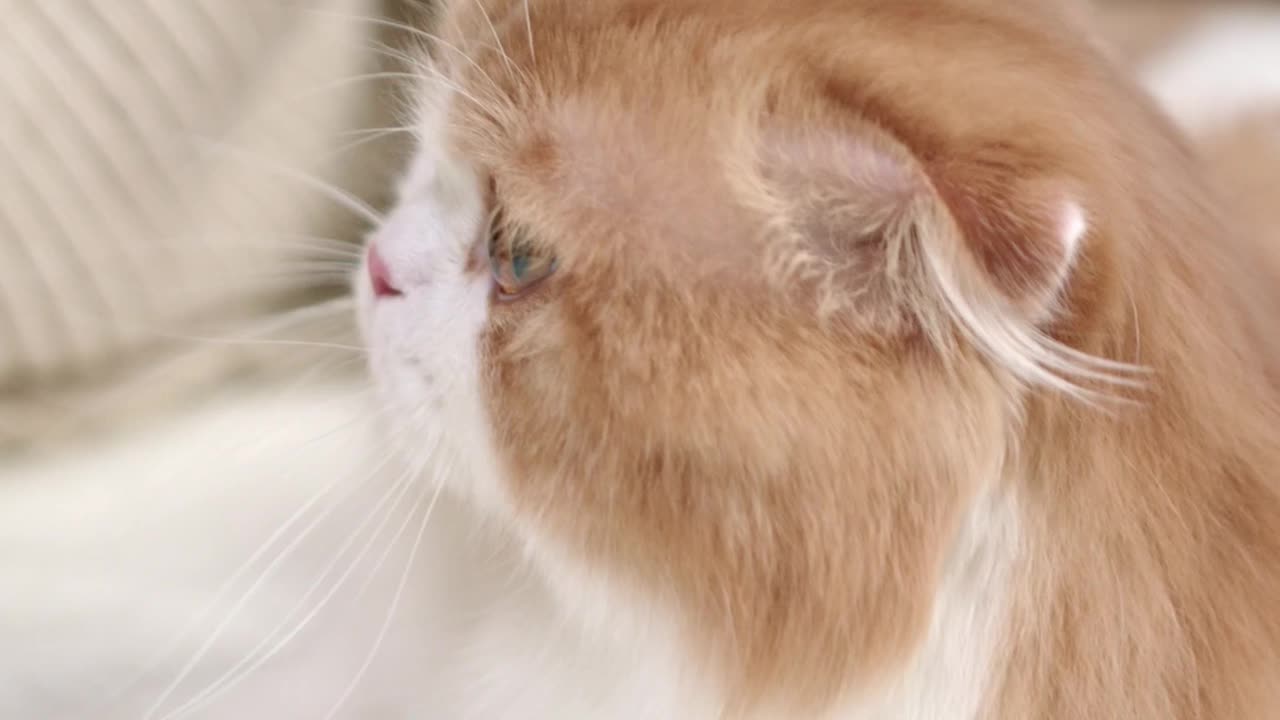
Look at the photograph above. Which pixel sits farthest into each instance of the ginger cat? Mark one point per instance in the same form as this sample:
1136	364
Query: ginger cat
841	359
832	359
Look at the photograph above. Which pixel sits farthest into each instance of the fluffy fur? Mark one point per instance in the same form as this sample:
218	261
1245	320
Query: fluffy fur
833	410
839	280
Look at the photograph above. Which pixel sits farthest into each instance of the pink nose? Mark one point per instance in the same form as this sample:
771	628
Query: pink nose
380	276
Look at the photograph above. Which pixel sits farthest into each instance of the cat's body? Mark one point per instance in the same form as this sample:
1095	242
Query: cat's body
1096	560
833	371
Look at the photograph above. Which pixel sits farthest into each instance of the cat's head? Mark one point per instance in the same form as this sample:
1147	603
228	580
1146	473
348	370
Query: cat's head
727	306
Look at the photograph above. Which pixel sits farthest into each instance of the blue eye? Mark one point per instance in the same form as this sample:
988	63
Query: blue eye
520	265
517	264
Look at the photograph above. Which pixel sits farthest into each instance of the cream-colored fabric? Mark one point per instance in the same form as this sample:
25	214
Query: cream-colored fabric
152	155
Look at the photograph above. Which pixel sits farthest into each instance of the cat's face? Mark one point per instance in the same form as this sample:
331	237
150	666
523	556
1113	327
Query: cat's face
728	306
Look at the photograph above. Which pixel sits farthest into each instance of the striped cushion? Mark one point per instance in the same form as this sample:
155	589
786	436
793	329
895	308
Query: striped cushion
142	190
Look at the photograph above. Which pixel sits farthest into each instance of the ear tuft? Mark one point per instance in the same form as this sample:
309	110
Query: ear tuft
985	246
1021	224
839	203
1002	260
1074	226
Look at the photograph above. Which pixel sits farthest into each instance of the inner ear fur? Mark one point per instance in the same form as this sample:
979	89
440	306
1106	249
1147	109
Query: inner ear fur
977	245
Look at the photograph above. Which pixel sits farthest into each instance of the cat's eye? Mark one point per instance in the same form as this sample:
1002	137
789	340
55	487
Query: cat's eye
518	265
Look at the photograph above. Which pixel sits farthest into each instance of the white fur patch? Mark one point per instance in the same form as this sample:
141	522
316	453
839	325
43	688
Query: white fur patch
950	675
1075	226
425	345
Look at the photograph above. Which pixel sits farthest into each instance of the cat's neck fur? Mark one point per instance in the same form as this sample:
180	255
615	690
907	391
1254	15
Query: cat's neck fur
635	652
1150	528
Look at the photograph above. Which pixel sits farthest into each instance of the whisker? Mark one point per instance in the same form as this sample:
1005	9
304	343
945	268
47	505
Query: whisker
395	601
310	273
378	131
345	264
342	83
397	54
370	136
413	31
320	259
265	287
253	589
268	343
506	58
440	79
263	246
328	308
336	275
290	318
249	665
339	196
300	256
88	408
222	592
528	23
441	470
316	243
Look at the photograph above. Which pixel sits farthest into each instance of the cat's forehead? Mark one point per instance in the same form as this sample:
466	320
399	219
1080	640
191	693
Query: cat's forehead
644	157
635	118
669	73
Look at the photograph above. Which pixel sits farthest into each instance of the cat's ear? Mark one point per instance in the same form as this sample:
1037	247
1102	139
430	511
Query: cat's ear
985	244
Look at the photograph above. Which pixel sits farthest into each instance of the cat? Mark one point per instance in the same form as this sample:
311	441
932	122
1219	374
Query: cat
827	359
1054	586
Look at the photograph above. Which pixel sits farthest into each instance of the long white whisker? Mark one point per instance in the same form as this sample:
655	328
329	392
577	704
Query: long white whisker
344	82
338	308
317	257
367	136
290	318
416	32
268	343
375	131
249	665
506	58
303	265
443	80
249	593
347	253
307	279
264	287
309	241
239	572
335	276
437	476
395	603
322	309
396	54
342	197
90	407
528	24
344	267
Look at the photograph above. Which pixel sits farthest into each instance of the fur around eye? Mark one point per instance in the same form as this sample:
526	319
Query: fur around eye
517	265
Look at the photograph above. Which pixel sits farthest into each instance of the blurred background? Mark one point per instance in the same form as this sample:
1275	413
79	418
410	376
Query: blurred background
183	189
175	167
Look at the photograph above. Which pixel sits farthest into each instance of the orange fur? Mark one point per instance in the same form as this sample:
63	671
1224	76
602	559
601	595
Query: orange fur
783	456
